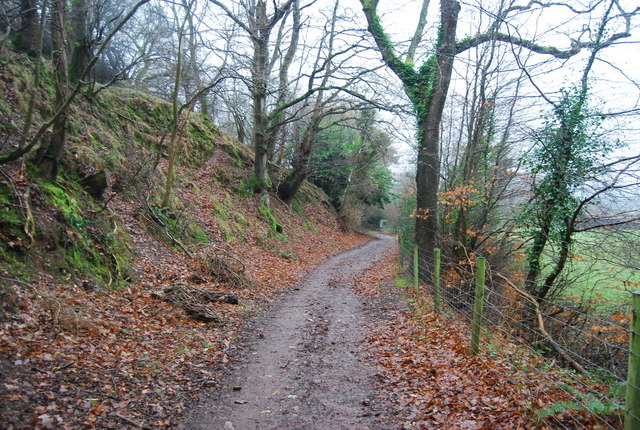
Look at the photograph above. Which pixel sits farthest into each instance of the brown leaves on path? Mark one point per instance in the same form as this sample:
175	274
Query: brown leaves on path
426	367
429	380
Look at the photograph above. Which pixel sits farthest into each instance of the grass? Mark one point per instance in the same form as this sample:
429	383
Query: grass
401	282
602	266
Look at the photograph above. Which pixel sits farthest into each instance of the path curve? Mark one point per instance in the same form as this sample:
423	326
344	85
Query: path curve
302	367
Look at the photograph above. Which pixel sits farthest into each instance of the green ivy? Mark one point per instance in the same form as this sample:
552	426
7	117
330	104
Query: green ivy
567	151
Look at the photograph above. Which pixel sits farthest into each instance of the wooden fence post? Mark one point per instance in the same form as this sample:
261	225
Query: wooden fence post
436	281
476	324
416	281
632	402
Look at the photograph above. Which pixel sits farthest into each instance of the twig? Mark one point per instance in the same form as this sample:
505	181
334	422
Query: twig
15	191
25	209
541	328
231	256
66	366
125	117
131	421
30	225
166	233
29	286
130	182
158	222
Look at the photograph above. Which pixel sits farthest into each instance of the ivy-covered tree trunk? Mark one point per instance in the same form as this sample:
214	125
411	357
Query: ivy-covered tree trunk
427	89
568	152
562	160
428	168
51	153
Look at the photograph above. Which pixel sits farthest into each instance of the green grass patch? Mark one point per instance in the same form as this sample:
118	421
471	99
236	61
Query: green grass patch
11	219
89	247
65	202
601	266
179	225
401	282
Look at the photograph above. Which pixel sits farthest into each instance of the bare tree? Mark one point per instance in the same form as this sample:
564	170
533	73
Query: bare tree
194	69
258	22
19	20
175	102
49	154
427	87
81	40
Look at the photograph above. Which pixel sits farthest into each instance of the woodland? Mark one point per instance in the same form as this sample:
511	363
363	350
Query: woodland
171	168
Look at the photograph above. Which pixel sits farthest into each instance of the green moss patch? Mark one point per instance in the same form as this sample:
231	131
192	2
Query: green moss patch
90	247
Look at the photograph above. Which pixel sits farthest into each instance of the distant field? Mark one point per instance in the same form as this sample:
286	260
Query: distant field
605	266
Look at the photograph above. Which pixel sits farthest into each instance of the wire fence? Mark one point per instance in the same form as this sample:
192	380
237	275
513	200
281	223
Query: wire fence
598	352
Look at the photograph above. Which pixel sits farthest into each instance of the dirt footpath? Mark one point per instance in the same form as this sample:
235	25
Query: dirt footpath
301	366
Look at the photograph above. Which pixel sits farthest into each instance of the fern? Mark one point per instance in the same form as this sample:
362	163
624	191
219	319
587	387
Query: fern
586	402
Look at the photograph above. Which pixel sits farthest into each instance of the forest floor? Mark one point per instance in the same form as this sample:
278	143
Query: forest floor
74	354
80	358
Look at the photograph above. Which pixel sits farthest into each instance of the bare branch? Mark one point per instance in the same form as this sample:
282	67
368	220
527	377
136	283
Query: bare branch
417	35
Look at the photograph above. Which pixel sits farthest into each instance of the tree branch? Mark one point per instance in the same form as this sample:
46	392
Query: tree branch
514	40
541	327
417	35
404	71
19	152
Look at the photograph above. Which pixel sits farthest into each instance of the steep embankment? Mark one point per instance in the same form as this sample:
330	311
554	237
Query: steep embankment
85	339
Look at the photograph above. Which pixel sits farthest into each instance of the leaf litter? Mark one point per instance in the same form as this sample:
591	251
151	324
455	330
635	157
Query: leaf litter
429	380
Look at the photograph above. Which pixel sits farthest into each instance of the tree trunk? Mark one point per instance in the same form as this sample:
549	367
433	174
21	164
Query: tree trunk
49	156
277	129
470	167
193	63
288	189
260	67
427	89
81	53
29	33
175	113
260	144
428	168
238	120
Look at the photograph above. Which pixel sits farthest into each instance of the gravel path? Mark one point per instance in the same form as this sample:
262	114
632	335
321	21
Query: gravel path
301	366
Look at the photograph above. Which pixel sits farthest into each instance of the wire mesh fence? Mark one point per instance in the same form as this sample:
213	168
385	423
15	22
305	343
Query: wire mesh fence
591	350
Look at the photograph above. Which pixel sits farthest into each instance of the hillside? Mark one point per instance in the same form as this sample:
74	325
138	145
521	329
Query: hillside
88	337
